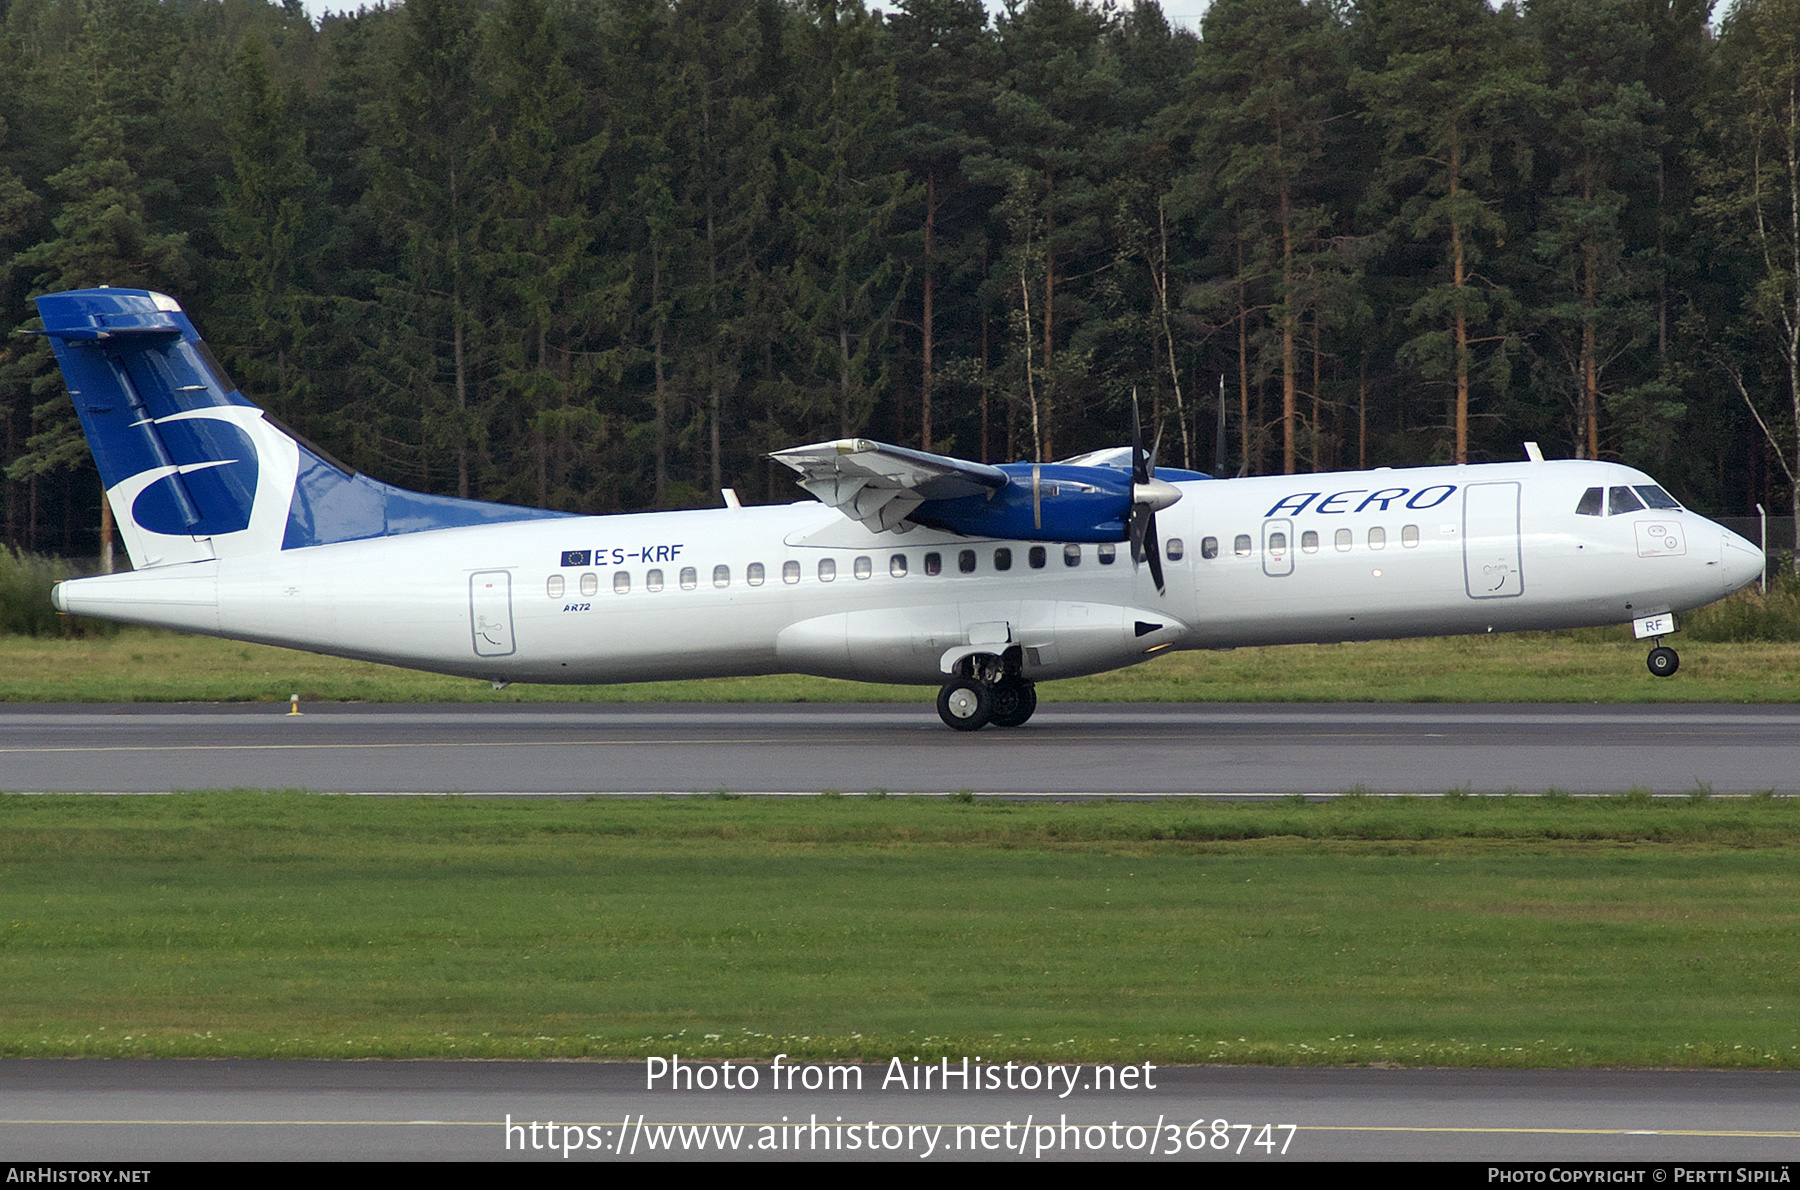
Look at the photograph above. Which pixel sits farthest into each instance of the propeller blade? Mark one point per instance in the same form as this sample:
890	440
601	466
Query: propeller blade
1140	465
1153	552
1148	494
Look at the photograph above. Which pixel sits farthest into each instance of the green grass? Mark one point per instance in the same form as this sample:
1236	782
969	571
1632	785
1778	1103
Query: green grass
1464	931
141	665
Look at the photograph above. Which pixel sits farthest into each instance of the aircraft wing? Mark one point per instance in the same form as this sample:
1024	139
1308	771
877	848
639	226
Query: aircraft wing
880	485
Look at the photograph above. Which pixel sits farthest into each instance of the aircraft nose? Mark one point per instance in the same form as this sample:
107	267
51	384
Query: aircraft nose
1741	561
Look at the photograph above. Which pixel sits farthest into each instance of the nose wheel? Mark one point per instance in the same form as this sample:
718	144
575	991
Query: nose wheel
1663	661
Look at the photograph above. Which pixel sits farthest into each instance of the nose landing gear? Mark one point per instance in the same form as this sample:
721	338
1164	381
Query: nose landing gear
988	690
1663	661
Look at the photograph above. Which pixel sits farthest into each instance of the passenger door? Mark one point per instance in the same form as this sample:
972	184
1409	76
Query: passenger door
490	612
1492	566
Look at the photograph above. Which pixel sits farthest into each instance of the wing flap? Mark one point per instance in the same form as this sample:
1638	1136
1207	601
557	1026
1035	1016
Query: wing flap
880	485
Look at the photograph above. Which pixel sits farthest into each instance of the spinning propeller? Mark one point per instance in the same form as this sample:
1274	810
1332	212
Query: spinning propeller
1149	495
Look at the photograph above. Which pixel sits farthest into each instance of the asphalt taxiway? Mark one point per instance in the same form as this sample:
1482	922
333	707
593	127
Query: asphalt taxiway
1066	750
104	1111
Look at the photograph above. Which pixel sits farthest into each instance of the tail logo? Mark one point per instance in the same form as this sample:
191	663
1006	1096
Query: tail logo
219	506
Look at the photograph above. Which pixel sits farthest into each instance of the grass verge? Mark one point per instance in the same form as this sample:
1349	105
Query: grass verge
1460	931
141	665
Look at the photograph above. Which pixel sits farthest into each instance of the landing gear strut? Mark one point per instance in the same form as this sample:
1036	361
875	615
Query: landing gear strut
1662	661
987	689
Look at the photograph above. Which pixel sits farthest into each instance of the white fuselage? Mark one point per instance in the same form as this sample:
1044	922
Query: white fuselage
1298	558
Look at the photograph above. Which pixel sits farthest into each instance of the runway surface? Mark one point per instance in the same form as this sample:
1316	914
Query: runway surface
87	1110
1066	750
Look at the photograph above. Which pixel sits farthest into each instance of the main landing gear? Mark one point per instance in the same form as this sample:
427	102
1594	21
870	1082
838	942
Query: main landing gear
1663	661
987	689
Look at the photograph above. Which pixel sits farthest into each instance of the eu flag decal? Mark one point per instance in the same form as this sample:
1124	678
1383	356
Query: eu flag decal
578	557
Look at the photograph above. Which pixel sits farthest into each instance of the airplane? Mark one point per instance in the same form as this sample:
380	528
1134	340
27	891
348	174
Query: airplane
904	567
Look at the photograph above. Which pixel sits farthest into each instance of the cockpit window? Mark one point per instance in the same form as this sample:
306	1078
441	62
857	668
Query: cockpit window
1655	497
1592	503
1621	500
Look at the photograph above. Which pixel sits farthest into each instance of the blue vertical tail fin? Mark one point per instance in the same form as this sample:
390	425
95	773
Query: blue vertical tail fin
191	468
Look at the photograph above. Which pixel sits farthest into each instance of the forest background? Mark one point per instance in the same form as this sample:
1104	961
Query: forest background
603	255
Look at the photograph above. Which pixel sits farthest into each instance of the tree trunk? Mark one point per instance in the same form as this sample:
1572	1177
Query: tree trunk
106	532
1459	280
662	385
1243	321
930	278
1161	277
1046	451
1289	364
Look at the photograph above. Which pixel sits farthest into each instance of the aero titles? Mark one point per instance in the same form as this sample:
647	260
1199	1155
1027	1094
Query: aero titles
946	1074
1380	498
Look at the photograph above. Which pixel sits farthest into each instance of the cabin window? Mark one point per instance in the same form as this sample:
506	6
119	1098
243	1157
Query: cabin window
790	572
1277	543
653	580
554	588
753	574
1655	497
934	563
1409	536
1176	549
965	561
1342	540
1621	500
827	570
1309	542
1037	557
1378	538
863	567
721	576
1071	554
1209	548
621	582
897	565
590	584
1591	502
1106	552
1002	559
1241	545
690	578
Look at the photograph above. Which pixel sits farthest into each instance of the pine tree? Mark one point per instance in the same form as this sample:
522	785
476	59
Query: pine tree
427	188
547	287
1055	141
1753	200
102	237
1265	79
943	64
269	227
842	281
1446	87
1601	148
